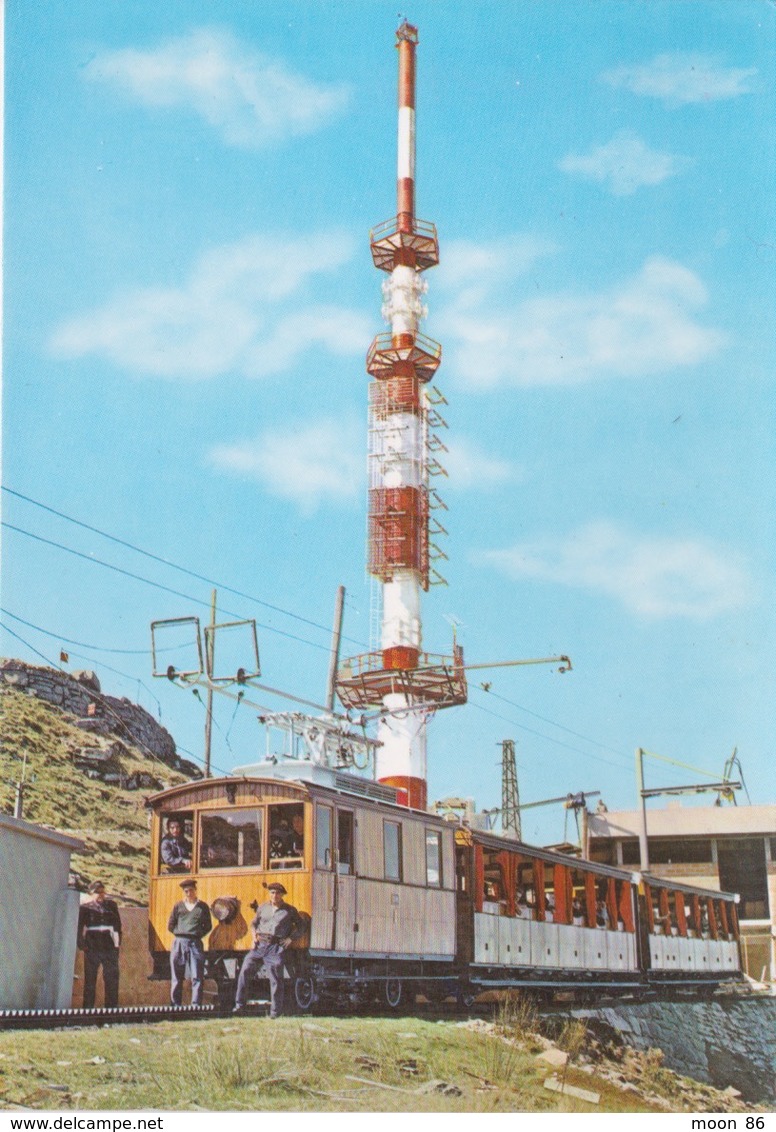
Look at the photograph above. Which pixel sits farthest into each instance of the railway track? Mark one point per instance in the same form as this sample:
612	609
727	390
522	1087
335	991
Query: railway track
100	1016
135	1015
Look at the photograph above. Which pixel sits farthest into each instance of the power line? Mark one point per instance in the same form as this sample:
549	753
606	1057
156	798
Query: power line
156	585
175	565
552	723
78	644
89	692
541	735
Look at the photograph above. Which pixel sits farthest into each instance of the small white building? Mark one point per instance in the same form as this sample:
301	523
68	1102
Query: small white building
38	916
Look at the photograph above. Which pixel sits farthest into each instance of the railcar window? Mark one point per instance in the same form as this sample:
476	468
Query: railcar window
433	858
602	917
230	839
525	893
392	850
323	831
176	842
579	909
494	894
286	836
345	842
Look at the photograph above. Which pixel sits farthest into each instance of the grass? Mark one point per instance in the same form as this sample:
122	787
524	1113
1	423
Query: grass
112	822
320	1065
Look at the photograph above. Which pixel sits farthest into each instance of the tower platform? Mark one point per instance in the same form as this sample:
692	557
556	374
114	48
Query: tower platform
437	681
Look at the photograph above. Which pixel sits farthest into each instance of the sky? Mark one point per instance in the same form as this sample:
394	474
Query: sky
189	298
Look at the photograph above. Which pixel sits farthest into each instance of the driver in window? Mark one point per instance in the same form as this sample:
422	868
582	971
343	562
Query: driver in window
176	850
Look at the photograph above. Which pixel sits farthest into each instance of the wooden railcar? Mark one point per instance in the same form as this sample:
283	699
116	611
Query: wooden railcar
689	934
529	916
376	880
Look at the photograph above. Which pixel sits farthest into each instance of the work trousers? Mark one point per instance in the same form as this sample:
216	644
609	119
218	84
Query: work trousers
271	956
187	960
109	961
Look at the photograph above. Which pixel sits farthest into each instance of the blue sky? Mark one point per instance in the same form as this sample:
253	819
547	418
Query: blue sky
189	298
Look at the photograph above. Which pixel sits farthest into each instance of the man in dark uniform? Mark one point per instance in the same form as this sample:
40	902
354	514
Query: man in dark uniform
189	922
275	927
176	851
99	936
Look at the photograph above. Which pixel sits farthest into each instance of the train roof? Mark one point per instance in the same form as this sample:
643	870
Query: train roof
691	889
325	783
552	856
493	841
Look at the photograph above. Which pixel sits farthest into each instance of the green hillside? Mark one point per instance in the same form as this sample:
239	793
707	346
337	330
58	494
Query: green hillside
110	819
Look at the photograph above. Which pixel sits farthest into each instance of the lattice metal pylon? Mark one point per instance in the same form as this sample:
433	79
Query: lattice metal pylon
510	794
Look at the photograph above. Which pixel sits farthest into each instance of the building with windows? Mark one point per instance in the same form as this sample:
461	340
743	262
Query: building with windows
729	848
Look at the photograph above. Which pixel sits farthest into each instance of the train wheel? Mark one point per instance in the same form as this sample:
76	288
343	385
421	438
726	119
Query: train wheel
394	993
305	996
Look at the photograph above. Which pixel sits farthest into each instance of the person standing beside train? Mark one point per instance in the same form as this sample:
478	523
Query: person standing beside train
275	927
189	922
99	936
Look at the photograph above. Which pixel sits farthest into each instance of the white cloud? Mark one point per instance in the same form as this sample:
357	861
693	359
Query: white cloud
307	464
641	326
243	308
653	576
252	101
683	77
469	466
624	164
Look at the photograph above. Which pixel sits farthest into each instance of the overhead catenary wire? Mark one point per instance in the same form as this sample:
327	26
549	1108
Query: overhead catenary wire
94	648
156	585
88	691
174	565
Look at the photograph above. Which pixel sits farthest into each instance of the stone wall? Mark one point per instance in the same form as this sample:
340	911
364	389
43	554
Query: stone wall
730	1040
80	695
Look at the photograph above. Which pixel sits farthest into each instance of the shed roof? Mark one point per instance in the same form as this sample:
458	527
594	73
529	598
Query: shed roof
686	821
18	825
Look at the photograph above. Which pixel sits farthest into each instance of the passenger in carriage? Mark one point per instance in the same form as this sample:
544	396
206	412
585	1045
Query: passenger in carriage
705	926
549	907
577	914
601	914
522	911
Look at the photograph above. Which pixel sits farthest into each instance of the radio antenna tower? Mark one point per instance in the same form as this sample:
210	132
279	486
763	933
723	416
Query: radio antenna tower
510	793
405	684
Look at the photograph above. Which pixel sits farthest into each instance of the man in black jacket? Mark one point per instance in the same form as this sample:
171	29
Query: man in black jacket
189	922
99	936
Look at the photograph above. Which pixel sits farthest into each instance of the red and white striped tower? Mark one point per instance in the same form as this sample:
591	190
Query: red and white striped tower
405	682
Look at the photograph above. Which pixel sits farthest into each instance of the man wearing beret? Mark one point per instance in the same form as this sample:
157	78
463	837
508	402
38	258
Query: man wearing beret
189	922
99	936
275	927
